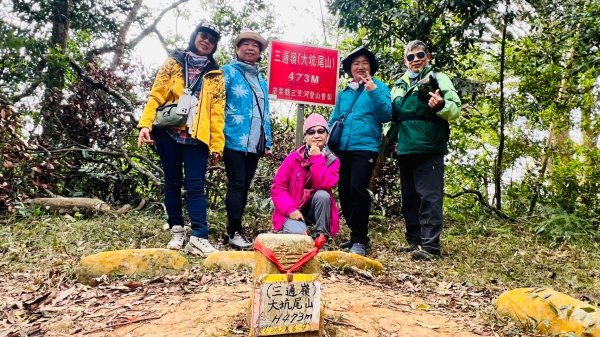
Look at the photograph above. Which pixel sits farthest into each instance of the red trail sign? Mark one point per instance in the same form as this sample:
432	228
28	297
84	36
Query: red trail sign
303	73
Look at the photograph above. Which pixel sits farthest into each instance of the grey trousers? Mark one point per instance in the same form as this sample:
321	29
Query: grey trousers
318	213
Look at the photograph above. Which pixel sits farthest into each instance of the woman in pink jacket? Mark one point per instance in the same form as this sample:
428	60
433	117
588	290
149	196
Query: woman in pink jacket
302	185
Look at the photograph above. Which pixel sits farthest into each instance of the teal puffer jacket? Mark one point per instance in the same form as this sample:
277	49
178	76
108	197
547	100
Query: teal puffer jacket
362	126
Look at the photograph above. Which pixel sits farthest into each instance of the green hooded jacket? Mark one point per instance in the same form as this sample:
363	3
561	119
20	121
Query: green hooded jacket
416	128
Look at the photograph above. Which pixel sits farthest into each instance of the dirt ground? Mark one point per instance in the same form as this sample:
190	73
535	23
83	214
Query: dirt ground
351	310
214	303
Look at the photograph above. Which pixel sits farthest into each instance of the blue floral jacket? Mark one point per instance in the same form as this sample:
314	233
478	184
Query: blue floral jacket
238	108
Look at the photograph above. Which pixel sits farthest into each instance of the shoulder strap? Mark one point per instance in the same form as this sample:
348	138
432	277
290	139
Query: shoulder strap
255	95
360	90
253	92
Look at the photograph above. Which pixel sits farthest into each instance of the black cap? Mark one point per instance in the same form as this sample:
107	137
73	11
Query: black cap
204	27
347	62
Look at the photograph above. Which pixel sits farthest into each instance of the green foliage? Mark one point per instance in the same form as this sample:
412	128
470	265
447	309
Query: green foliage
449	27
563	227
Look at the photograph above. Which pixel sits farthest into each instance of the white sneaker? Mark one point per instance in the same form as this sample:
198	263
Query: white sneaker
199	246
238	241
177	237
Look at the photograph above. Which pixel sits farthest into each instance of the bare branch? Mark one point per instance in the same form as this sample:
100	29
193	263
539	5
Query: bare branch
152	27
120	45
26	92
123	154
142	170
131	44
101	86
481	200
162	40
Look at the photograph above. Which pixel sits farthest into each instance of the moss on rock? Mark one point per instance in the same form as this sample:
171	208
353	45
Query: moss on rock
149	263
549	312
347	260
229	260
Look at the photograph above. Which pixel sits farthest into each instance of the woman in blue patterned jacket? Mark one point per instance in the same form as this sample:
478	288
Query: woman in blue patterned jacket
247	129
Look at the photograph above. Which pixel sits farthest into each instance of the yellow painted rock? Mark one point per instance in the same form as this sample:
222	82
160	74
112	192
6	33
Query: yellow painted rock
131	262
229	260
549	312
347	260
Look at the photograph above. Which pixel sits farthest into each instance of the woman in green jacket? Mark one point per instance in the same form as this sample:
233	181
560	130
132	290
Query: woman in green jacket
423	101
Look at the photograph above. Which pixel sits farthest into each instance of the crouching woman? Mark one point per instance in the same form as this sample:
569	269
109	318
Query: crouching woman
301	190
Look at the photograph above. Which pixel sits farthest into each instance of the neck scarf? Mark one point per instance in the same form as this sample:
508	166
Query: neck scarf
196	61
412	74
353	85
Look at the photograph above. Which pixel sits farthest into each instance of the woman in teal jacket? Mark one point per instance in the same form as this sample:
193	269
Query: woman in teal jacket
364	105
423	102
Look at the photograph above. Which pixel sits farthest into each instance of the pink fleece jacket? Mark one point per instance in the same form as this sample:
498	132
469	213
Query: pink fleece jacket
289	184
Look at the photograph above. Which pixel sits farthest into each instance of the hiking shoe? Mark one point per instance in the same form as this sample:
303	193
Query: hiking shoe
239	241
199	246
346	245
359	248
177	237
424	255
407	249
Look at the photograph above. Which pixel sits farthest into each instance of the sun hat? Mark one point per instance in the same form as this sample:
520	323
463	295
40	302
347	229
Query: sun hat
314	120
249	35
347	62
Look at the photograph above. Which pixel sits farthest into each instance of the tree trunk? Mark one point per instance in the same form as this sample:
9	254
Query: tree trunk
120	45
548	149
498	168
55	76
83	204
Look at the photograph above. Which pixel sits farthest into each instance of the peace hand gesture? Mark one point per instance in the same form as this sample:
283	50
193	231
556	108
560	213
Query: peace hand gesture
368	82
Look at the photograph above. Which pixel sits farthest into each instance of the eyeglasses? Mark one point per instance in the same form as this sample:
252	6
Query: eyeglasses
208	37
311	132
411	57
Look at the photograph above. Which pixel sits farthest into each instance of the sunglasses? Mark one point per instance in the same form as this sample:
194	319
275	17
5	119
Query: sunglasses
311	132
208	37
411	57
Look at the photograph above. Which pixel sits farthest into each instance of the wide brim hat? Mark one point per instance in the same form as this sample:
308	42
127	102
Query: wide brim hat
254	36
347	62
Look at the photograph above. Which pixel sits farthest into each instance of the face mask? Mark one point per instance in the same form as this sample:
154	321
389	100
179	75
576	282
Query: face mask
412	74
353	85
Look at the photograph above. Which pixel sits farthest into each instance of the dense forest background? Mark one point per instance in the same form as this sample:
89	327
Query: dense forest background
525	151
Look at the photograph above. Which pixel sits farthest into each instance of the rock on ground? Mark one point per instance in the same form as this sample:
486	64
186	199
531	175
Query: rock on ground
148	263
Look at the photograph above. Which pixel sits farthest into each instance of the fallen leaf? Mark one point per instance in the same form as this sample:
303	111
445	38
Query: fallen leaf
205	279
34	303
423	306
427	325
133	284
63	295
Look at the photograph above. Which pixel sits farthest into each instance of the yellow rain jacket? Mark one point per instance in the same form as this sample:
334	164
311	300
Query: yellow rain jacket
210	116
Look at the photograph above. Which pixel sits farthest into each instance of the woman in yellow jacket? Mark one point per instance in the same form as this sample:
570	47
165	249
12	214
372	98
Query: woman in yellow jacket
184	150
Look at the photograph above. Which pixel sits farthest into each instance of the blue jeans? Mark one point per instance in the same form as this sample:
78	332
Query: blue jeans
176	159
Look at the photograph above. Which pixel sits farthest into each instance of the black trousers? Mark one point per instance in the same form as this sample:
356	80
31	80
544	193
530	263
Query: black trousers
422	187
240	168
356	168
